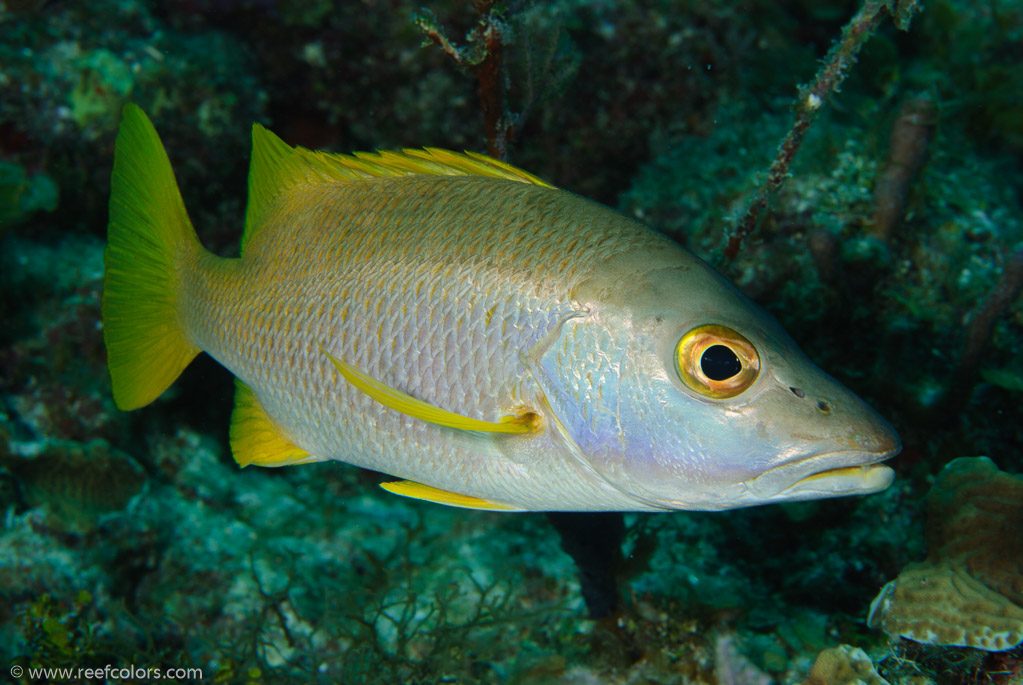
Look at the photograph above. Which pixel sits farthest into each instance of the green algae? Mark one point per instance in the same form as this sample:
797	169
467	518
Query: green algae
22	194
103	87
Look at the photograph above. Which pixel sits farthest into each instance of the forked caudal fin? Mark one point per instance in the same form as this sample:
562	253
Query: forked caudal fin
148	237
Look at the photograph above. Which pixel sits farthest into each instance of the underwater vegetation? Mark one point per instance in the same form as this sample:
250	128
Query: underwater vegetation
891	253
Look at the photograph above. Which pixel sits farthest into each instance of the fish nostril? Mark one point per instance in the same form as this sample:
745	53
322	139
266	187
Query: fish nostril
824	407
797	392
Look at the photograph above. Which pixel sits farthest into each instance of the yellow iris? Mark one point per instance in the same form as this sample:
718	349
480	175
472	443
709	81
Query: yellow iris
716	361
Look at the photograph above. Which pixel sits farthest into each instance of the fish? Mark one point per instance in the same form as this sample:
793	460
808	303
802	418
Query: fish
487	339
76	484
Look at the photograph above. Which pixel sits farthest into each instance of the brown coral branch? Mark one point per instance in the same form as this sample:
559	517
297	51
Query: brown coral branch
907	148
481	57
440	40
829	78
978	334
489	76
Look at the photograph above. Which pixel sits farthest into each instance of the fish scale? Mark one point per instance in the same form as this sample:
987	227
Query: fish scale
458	323
434	363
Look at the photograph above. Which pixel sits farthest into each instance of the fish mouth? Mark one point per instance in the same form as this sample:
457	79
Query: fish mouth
833	474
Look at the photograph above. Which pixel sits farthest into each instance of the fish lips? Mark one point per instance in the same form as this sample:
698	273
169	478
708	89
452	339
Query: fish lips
831	474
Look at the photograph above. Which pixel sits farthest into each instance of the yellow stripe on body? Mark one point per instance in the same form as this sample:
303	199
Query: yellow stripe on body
524	422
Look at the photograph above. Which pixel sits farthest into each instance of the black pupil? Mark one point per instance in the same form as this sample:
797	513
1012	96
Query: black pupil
719	363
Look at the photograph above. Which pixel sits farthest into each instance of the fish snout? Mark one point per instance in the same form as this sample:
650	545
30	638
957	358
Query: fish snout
837	443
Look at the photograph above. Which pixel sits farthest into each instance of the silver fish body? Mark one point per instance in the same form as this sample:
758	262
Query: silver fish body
561	306
465	285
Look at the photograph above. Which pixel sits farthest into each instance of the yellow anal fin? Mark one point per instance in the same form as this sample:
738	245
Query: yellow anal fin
254	437
524	422
408	488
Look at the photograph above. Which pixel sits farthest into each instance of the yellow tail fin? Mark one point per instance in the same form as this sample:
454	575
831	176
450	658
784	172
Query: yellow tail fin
148	240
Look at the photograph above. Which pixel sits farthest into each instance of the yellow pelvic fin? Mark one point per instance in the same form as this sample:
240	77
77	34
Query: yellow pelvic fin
149	241
417	409
276	167
408	488
254	437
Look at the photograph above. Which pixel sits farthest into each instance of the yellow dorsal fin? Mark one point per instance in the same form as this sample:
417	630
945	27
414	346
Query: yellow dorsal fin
408	488
276	167
524	422
254	437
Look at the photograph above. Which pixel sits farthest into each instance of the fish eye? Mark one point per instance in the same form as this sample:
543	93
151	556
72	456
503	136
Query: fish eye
719	363
716	361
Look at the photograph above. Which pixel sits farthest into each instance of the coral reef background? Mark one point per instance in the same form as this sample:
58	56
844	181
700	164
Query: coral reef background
892	255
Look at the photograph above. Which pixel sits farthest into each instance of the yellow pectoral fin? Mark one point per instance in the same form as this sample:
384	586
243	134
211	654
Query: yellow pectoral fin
408	488
524	422
254	437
